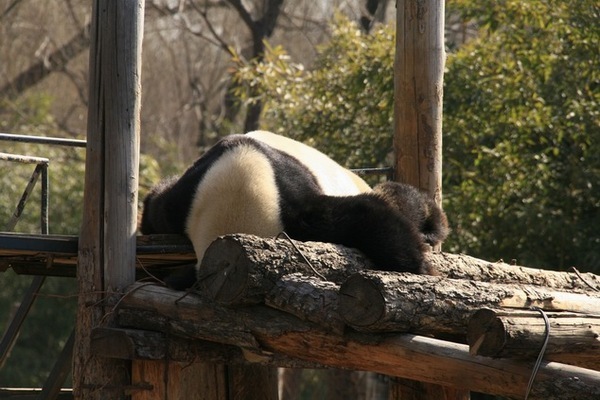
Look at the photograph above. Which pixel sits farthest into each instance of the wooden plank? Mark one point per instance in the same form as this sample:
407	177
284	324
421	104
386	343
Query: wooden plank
56	255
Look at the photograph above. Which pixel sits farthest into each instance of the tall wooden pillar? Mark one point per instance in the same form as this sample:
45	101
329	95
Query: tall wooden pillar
418	91
107	244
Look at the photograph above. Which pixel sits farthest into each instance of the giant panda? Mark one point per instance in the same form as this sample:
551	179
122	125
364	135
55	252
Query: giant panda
262	183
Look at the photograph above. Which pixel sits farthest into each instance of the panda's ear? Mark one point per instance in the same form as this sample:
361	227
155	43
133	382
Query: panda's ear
435	227
418	208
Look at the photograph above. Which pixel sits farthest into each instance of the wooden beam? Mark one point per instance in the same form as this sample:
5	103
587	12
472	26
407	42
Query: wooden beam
573	338
263	332
376	301
418	90
106	256
242	269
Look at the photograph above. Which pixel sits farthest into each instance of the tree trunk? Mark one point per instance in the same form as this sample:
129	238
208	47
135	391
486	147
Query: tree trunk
461	266
308	298
54	62
241	269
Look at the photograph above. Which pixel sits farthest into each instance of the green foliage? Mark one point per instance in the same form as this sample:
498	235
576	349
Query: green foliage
522	134
346	98
521	123
43	333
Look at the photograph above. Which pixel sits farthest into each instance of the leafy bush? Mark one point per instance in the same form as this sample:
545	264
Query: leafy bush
343	105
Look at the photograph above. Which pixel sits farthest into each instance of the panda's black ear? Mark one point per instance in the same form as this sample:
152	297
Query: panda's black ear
435	226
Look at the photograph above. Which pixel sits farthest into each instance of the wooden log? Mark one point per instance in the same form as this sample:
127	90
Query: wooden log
308	298
241	269
461	266
408	356
572	338
375	301
135	344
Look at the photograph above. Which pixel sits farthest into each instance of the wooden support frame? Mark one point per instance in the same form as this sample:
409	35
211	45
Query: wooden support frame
107	245
418	90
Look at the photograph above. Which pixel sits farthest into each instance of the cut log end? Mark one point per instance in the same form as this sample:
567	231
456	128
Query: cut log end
224	272
361	302
486	335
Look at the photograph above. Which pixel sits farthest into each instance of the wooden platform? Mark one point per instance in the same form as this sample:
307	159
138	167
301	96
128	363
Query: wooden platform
56	255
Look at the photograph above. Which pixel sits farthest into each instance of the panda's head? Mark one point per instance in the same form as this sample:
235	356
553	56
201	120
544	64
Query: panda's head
418	208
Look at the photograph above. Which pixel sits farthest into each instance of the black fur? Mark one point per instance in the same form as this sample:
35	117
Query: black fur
365	222
392	224
419	208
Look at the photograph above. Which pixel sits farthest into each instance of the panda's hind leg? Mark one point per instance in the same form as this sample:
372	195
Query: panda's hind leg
182	279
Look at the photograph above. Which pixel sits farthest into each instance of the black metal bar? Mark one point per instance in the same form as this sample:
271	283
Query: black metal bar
44	205
387	171
67	244
31	394
30	185
52	244
61	369
8	340
42	140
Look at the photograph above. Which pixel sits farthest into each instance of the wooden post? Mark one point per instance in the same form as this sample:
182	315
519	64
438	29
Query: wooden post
418	81
107	242
418	90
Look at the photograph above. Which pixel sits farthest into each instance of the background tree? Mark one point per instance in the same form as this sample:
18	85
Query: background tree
521	124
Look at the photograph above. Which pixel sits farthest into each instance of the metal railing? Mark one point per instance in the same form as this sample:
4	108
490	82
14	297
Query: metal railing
57	375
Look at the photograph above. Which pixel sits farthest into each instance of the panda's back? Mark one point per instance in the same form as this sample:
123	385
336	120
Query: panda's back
333	179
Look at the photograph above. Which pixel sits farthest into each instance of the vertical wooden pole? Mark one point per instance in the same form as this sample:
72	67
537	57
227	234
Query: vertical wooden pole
418	91
107	244
418	81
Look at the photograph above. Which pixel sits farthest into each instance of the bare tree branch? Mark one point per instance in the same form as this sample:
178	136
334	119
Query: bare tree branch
8	9
54	62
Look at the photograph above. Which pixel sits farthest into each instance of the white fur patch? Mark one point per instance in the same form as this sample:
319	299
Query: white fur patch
333	179
238	194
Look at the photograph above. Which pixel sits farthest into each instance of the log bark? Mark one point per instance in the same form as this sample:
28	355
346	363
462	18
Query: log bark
308	298
241	269
573	338
267	332
461	266
381	301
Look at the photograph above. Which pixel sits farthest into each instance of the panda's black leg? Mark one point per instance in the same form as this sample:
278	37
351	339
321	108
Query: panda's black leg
183	278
